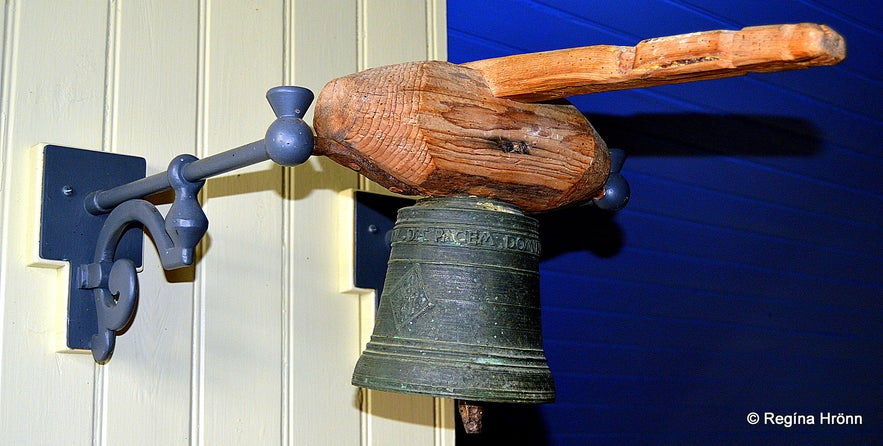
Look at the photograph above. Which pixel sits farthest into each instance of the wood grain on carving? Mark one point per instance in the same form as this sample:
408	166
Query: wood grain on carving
434	128
663	60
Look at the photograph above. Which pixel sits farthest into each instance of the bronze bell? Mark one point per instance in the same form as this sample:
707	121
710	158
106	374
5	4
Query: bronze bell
459	316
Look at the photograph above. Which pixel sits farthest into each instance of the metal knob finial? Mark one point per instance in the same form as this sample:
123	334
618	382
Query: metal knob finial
290	101
289	139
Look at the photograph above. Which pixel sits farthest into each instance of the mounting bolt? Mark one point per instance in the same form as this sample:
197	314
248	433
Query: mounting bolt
67	190
373	229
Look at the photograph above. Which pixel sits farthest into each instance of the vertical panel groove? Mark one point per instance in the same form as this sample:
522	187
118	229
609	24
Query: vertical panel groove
99	406
365	308
436	26
288	43
287	400
431	30
7	80
10	41
197	380
366	410
108	143
361	42
111	76
443	414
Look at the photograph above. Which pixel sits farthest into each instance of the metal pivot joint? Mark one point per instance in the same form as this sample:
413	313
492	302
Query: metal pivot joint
111	275
616	188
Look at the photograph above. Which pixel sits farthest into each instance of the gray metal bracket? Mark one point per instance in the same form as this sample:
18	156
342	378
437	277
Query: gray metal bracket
93	216
69	232
375	215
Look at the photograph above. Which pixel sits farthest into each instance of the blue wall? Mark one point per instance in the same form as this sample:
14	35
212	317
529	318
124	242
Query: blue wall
746	273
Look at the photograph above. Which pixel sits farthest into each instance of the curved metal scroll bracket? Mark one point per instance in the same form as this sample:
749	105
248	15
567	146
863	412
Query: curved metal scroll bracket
112	277
115	281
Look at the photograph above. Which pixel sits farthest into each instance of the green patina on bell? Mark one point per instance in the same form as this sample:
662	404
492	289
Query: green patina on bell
459	316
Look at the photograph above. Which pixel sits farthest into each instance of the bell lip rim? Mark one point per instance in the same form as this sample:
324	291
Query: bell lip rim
530	358
546	397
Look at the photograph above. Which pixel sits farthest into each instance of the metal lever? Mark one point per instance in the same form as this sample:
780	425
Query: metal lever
114	281
289	142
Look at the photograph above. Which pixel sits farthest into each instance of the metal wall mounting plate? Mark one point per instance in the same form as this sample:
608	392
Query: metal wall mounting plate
375	215
68	232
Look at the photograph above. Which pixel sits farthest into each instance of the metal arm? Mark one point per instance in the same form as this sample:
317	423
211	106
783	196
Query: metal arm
289	142
114	281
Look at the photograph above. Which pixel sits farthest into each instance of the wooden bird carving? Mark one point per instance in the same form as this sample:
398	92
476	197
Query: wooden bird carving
497	128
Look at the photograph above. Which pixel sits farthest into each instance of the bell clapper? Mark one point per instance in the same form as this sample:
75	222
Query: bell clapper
471	414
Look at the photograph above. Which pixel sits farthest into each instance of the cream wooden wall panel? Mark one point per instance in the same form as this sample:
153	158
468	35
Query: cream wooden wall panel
53	84
322	322
152	68
5	66
241	271
256	344
417	31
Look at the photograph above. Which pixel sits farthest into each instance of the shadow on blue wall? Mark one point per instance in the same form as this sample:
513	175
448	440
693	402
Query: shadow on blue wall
661	363
705	134
582	228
